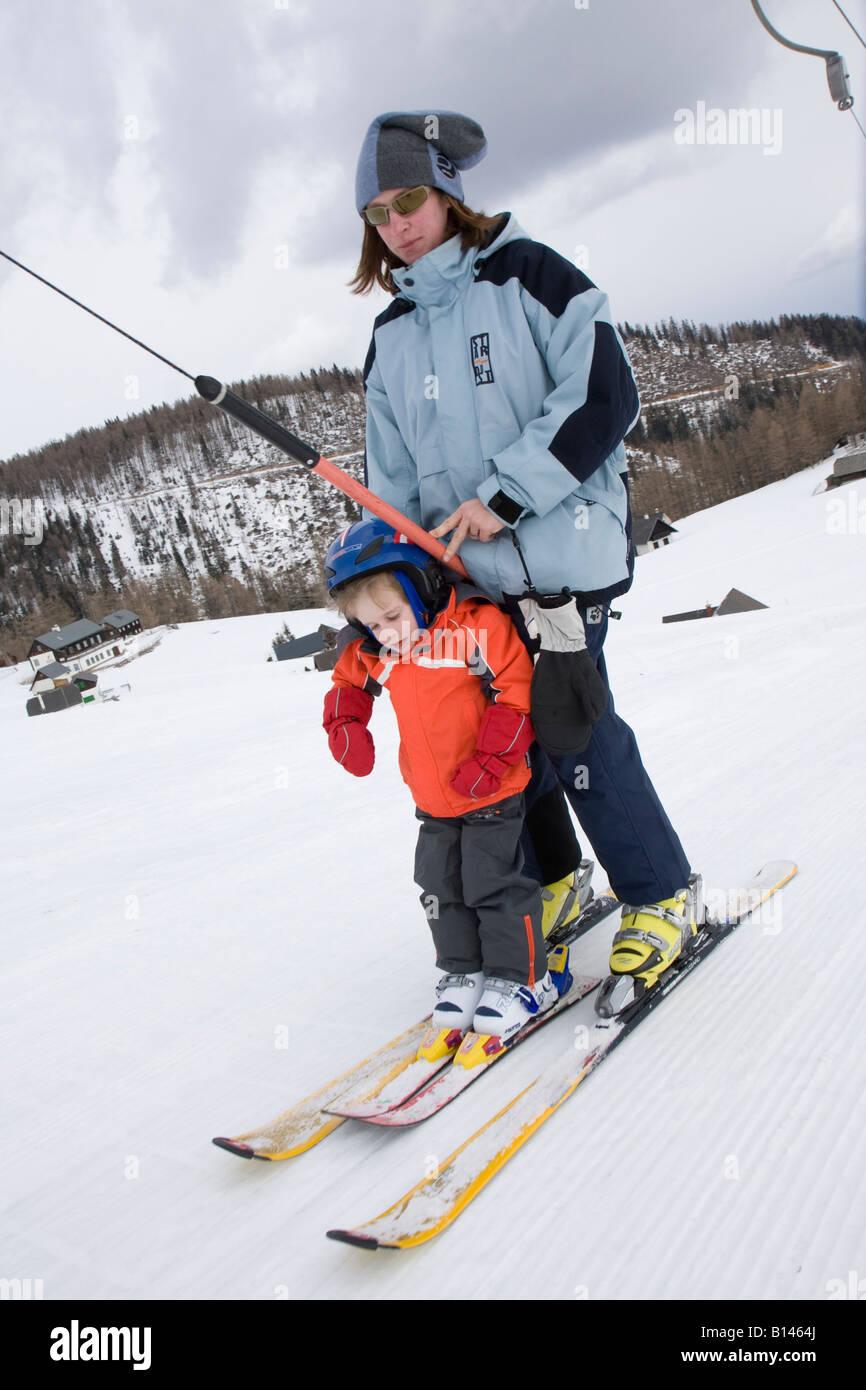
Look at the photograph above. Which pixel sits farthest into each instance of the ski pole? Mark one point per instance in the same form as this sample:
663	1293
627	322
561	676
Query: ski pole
219	395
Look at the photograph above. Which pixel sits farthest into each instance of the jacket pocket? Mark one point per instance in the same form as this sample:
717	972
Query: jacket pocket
435	488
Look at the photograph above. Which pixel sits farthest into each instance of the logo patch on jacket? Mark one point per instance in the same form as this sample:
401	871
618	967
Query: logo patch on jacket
480	345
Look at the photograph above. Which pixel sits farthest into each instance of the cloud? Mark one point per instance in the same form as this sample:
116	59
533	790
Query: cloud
188	169
843	240
57	108
231	93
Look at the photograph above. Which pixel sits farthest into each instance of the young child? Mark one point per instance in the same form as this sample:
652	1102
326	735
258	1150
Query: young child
459	677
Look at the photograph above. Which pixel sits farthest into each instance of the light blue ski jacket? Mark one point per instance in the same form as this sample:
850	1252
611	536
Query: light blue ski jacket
498	370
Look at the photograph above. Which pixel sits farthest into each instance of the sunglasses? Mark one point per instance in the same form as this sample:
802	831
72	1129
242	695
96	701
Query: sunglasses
404	203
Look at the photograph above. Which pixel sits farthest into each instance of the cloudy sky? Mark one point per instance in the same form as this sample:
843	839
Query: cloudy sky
186	167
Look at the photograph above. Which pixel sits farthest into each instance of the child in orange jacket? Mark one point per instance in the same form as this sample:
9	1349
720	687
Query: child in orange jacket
459	678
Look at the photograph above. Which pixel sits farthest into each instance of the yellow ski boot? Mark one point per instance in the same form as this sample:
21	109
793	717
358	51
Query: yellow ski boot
564	900
648	942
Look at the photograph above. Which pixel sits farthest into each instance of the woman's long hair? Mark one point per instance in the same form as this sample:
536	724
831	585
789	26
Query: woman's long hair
377	260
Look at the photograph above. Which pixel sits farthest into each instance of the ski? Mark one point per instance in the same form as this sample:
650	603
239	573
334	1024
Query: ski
434	1203
422	1089
308	1122
399	1106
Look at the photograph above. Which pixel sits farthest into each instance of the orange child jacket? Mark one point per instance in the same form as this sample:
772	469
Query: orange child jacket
469	656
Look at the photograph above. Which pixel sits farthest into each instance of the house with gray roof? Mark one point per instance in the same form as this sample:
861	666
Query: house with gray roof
83	644
123	622
47	676
651	531
848	468
735	601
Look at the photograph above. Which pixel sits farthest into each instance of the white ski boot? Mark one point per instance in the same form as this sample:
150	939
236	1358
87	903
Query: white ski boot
505	1006
457	997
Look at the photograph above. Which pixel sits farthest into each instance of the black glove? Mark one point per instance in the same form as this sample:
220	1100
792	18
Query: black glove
567	694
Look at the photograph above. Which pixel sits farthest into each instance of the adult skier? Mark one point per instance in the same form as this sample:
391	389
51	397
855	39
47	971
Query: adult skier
498	396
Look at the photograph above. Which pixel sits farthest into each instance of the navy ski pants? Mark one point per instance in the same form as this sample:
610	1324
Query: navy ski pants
612	796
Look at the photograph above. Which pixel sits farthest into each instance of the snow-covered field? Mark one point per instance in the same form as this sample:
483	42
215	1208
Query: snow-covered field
205	919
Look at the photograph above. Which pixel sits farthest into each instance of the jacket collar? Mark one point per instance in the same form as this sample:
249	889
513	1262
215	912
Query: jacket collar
436	280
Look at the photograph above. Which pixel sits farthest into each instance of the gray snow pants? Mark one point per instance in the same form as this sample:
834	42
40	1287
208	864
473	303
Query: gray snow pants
484	913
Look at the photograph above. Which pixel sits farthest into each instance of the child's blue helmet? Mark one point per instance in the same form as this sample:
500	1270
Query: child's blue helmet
368	547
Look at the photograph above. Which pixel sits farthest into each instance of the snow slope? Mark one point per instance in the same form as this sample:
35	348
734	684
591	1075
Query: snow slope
206	919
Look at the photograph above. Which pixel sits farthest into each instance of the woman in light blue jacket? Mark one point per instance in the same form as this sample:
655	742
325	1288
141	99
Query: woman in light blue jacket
498	397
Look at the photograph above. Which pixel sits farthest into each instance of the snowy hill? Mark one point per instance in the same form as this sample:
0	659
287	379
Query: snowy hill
207	919
181	513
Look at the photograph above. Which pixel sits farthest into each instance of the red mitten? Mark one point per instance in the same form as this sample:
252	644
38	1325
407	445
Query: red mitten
478	777
347	710
504	737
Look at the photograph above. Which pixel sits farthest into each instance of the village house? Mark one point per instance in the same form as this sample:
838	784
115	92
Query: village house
650	532
848	468
83	644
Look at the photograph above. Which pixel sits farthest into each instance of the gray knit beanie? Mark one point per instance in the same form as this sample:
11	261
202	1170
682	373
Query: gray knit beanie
404	149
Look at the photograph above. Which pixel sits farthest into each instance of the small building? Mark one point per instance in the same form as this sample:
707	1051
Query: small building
54	673
87	685
708	611
737	602
321	643
298	647
123	622
847	468
52	689
50	701
651	532
326	660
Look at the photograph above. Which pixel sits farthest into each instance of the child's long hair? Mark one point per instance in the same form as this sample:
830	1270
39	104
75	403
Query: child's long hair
377	260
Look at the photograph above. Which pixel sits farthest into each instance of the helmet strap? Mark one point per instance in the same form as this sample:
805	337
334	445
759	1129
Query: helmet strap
419	612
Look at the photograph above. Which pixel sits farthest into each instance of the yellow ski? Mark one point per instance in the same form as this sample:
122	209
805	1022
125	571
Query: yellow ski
434	1203
304	1125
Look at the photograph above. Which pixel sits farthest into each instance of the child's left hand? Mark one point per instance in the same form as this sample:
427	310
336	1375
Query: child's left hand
479	776
504	737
